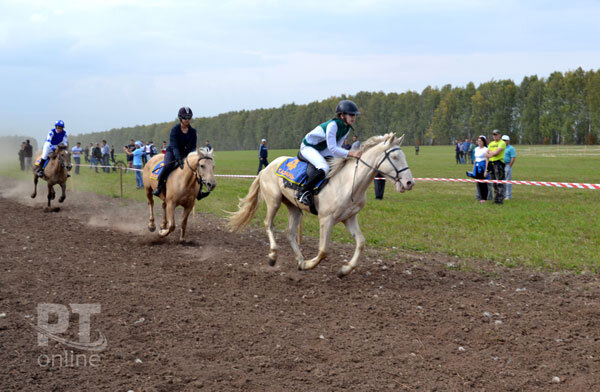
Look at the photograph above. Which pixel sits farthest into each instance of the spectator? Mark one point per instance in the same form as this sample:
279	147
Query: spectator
207	145
91	151
472	151
263	152
509	160
136	156
416	149
355	143
105	156
112	154
131	147
96	156
465	148
346	145
77	156
28	153
164	147
153	150
496	156
457	151
88	157
480	168
22	156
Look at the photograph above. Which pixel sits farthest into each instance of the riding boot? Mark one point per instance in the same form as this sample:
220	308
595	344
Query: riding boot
305	194
40	170
161	183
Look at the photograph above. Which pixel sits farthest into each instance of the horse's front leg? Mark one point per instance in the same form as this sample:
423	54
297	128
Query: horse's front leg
35	181
354	229
150	198
186	214
163	225
170	216
273	205
326	224
63	188
51	194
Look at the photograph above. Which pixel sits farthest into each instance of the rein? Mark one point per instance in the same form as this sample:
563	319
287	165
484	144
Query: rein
376	168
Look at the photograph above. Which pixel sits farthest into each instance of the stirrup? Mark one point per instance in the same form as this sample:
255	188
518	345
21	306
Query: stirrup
157	192
40	173
306	198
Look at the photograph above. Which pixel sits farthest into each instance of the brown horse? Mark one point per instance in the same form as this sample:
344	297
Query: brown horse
59	163
181	188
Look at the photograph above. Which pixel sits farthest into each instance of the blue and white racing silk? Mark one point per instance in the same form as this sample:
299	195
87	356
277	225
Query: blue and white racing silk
52	140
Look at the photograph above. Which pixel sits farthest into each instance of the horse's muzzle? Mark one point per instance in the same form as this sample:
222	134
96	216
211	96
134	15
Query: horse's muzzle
210	186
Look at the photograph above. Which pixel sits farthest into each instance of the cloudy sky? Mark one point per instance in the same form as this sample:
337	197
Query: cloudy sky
102	64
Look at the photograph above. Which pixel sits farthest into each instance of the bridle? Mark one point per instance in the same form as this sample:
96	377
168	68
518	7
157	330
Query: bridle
199	178
376	168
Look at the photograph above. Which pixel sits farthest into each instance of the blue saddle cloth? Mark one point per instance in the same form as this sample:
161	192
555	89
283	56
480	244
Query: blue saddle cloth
156	170
294	171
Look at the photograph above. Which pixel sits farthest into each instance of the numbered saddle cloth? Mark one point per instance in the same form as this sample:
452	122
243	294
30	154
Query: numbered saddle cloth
156	170
293	171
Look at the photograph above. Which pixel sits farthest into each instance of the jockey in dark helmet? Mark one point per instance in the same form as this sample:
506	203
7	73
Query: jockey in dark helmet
325	141
56	136
182	141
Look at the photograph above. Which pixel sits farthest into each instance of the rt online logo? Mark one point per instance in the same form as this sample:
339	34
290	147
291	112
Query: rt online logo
48	330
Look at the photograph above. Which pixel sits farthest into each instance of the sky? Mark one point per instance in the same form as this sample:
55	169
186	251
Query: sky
103	64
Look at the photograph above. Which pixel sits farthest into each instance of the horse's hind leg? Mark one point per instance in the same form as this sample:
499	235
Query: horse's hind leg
63	196
354	229
163	225
170	215
273	203
295	215
186	214
149	196
326	224
51	194
35	181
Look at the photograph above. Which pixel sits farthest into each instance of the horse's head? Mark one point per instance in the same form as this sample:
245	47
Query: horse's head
205	168
391	161
64	157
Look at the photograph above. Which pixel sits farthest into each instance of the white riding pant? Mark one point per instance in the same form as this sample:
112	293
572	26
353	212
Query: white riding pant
317	158
46	150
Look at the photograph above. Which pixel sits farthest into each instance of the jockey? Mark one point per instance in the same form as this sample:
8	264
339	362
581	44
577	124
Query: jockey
325	141
56	136
182	141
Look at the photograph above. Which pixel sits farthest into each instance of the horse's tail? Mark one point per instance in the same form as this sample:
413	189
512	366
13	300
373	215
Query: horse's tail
246	207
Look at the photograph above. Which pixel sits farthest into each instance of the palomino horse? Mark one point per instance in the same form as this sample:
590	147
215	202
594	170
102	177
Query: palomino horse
59	163
181	190
339	201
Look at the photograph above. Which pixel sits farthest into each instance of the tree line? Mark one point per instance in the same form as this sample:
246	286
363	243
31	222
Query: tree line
560	109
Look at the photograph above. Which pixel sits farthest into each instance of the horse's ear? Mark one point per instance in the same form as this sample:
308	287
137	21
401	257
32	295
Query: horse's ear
400	140
390	137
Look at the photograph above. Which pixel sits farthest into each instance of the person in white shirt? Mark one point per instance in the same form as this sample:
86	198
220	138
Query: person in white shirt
76	151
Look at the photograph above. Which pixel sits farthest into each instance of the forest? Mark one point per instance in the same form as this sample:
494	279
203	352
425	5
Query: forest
563	108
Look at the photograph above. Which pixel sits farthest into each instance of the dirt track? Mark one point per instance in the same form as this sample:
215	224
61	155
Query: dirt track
213	315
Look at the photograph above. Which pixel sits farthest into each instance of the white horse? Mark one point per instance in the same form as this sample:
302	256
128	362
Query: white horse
339	201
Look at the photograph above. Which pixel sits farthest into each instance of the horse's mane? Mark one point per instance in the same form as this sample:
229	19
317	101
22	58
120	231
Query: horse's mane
338	163
204	151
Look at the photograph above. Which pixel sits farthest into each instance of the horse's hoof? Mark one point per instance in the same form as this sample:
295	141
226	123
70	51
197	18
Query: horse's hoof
61	200
272	262
341	273
163	233
151	228
33	195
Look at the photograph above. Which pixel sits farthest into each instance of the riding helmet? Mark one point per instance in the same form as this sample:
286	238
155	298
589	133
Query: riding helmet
347	107
185	113
59	123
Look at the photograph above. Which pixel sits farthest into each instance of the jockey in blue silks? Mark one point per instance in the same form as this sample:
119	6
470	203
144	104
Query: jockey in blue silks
324	142
56	136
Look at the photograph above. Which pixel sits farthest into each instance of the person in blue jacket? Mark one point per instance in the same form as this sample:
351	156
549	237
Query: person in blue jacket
137	163
326	141
263	154
56	136
182	141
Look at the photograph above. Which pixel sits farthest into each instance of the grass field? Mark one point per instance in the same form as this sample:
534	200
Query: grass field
540	227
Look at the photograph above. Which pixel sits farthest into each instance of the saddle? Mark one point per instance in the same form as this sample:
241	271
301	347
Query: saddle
295	171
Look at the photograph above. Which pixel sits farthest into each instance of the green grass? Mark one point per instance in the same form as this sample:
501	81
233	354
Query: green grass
543	227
